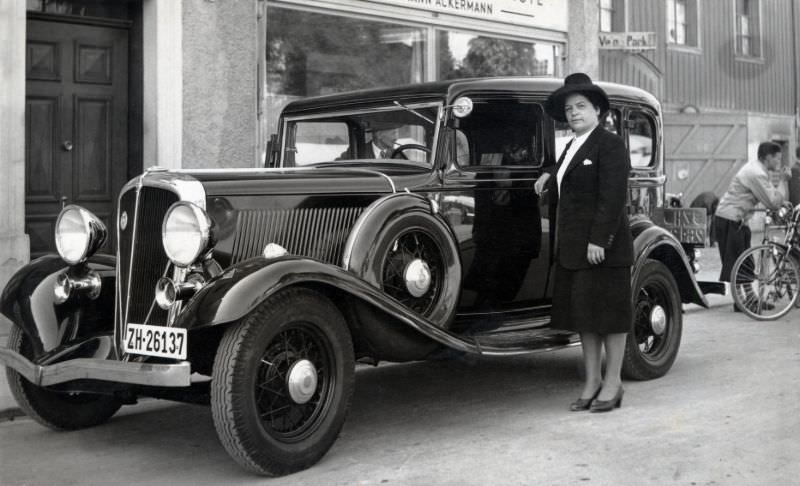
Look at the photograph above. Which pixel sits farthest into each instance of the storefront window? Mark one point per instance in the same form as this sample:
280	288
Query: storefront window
83	8
312	54
467	55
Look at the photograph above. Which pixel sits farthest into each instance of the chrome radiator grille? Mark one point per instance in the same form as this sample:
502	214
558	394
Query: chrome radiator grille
312	232
142	260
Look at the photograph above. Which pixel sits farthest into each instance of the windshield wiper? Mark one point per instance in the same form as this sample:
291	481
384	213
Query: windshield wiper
415	112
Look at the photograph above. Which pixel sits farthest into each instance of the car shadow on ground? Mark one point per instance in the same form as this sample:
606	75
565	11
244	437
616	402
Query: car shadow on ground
413	400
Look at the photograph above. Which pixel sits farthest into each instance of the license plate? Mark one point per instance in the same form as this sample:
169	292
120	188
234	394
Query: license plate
689	225
164	342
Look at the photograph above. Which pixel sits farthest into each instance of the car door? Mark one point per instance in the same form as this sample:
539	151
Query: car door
494	156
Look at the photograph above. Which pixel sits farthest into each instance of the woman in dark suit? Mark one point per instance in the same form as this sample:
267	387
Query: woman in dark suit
593	244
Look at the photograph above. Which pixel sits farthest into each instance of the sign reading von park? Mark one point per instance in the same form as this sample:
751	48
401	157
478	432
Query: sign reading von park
628	40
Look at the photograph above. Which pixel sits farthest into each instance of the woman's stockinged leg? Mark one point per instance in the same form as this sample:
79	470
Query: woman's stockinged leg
615	352
592	362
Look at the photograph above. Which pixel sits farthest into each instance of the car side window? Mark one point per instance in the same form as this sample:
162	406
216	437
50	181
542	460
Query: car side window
316	141
641	138
403	135
499	134
610	121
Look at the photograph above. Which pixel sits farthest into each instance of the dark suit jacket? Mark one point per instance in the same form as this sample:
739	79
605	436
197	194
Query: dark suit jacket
591	205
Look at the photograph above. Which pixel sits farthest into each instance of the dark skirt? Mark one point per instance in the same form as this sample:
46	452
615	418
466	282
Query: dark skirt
592	300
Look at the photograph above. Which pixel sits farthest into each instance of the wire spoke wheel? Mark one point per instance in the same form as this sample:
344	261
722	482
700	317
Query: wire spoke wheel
765	282
282	382
281	414
413	271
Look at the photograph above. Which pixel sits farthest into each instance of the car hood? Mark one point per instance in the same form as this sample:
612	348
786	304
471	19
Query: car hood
350	180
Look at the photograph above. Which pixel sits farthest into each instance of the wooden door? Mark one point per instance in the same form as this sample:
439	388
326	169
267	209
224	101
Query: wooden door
76	123
703	152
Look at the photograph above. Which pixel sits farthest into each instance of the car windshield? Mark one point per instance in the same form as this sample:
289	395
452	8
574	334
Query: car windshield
396	134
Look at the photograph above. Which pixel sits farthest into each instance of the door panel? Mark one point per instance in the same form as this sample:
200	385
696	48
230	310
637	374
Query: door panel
702	153
76	123
93	150
41	139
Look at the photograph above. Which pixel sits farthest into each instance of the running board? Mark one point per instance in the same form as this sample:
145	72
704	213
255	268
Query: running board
505	342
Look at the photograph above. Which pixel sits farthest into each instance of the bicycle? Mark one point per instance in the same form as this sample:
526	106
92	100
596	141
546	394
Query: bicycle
765	279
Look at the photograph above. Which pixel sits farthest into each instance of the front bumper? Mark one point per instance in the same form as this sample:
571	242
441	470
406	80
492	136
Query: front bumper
166	375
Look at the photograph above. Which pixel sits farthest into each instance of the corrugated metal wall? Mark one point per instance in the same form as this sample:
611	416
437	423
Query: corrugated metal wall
711	76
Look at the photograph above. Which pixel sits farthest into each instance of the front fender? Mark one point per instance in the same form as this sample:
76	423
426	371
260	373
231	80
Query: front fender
360	247
241	288
656	243
28	301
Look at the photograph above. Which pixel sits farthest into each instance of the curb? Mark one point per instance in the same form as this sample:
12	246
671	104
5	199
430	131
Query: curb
11	414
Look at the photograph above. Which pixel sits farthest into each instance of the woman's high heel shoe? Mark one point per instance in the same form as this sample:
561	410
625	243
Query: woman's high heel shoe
582	404
608	405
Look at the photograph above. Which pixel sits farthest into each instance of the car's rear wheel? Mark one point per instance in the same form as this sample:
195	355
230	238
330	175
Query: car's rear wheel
655	336
54	409
282	383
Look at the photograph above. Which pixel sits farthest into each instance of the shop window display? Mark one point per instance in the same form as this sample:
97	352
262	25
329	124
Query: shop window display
311	54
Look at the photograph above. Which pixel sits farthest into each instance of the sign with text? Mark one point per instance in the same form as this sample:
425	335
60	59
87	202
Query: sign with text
628	40
545	14
689	225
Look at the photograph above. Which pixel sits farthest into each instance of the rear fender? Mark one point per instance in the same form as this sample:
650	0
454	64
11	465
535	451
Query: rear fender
28	300
656	243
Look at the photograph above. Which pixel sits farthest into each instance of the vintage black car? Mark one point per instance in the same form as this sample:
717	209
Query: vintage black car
390	225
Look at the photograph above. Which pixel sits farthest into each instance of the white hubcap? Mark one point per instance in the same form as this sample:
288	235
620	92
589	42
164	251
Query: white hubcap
418	277
658	320
302	381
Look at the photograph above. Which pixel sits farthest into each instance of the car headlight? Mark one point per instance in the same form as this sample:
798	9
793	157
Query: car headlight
186	233
79	234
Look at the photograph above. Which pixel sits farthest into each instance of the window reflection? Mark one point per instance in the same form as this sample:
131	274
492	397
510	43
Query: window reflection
312	54
463	55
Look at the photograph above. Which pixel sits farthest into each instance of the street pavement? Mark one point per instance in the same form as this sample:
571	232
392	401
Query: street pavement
726	414
8	407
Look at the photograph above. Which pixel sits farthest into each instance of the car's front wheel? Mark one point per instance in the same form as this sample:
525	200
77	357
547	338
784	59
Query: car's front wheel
282	383
54	409
655	336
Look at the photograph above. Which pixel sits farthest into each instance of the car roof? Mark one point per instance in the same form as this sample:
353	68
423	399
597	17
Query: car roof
448	90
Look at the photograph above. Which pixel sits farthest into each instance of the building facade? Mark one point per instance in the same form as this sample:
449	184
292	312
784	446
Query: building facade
726	72
95	91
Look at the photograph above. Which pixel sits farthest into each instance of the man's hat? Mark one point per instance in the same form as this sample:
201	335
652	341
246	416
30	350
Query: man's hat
575	83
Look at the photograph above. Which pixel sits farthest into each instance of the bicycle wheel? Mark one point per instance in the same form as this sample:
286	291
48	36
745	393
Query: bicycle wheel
765	282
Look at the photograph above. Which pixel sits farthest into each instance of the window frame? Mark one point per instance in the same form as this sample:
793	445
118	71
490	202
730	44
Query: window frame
618	15
692	17
753	35
540	134
653	122
286	134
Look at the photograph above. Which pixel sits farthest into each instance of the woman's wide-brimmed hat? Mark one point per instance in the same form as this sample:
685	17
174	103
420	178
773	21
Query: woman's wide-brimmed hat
575	83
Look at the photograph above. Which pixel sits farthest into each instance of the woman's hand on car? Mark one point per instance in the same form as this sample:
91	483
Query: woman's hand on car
541	183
